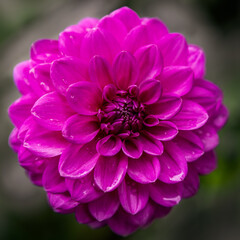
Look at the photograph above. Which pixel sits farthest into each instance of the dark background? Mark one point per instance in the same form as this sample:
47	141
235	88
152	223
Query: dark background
214	213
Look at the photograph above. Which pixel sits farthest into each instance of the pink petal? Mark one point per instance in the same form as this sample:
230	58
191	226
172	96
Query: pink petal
150	91
77	161
190	144
100	71
220	118
84	97
99	42
165	108
164	194
164	131
125	70
192	116
132	148
150	121
20	76
52	181
114	26
109	92
25	127
43	142
84	189
81	129
83	215
104	207
150	62
19	111
206	163
13	140
133	196
146	169
110	171
35	178
109	145
67	71
173	164
127	16
51	111
176	80
191	183
209	137
88	22
196	60
151	145
70	43
44	50
174	49
61	202
155	27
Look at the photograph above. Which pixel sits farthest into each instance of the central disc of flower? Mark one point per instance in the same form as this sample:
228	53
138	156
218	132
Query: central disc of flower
122	115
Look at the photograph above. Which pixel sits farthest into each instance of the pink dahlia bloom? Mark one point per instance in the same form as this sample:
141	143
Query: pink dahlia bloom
116	120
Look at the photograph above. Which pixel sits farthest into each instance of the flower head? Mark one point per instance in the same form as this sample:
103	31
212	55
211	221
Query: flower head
116	120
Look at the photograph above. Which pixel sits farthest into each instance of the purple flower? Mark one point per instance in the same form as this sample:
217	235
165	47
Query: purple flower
116	120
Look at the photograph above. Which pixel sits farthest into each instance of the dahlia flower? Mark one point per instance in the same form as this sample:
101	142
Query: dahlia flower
116	121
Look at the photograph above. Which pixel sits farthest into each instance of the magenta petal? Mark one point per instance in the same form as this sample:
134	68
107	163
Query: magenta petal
150	62
84	97
125	70
146	169
14	141
165	108
196	60
151	145
61	202
174	49
43	142
83	215
84	189
51	111
109	92
52	181
104	207
164	194
66	71
164	131
20	110
206	163
127	16
110	171
176	80
190	144
133	196
173	164
20	76
209	137
192	116
150	121
88	22
109	145
133	148
77	161
25	127
81	129
44	50
220	118
100	71
150	91
191	183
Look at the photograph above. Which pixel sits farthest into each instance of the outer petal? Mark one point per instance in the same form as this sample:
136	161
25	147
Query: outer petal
67	71
84	97
174	49
173	164
196	60
81	129
51	111
164	194
132	148
104	207
125	71
77	161
83	215
146	169
176	80
133	196
110	171
14	141
220	118
150	62
192	116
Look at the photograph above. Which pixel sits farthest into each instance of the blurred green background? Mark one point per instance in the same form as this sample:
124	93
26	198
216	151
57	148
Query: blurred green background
214	213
